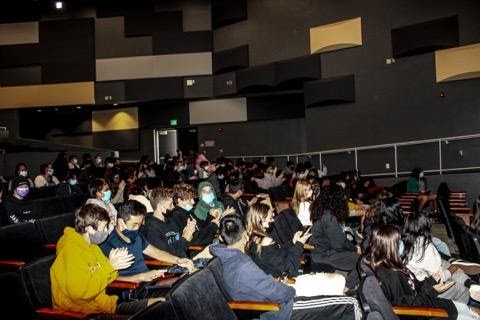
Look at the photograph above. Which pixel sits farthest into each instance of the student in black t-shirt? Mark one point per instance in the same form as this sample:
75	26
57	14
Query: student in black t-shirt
18	207
161	231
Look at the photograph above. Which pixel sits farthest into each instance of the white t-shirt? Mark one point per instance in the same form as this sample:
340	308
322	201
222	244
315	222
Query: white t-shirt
304	213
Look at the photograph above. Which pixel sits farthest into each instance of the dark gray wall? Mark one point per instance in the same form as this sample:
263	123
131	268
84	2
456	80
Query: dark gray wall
9	119
255	137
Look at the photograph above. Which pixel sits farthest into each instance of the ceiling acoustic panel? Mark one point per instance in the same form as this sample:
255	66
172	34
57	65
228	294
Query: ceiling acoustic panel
47	95
335	36
329	91
458	63
425	37
18	33
172	65
231	59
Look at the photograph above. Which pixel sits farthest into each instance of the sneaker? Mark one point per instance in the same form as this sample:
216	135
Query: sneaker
469	268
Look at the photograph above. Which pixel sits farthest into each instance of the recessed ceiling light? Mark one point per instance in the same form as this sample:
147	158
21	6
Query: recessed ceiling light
79	107
39	110
115	104
58	5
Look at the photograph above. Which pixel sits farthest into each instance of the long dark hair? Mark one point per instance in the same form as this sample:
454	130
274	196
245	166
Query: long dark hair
333	199
417	225
383	250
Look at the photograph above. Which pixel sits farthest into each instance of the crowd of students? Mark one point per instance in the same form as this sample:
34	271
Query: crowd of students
159	210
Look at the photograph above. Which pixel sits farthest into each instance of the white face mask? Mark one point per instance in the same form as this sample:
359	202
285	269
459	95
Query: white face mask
23	173
421	175
50	172
75	161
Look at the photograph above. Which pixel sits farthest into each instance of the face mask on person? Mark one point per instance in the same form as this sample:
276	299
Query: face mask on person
342	184
98	237
23	173
401	248
221	177
110	165
72	182
98	161
421	175
75	161
188	207
208	197
50	172
22	191
107	195
130	234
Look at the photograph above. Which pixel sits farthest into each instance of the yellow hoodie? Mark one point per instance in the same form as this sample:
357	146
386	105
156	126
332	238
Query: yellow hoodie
80	275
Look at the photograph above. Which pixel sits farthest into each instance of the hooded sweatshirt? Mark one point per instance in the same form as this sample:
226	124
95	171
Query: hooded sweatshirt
245	281
202	208
80	275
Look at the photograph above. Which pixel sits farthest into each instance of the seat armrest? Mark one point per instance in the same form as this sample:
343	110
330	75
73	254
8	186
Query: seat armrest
195	248
50	246
120	284
420	311
10	264
157	263
254	305
51	313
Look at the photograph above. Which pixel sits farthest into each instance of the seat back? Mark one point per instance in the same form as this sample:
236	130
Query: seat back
371	296
216	267
21	241
36	276
199	297
73	202
14	296
47	207
51	228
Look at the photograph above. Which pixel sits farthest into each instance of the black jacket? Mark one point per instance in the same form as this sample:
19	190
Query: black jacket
165	235
395	285
276	260
205	230
19	211
328	236
285	225
240	207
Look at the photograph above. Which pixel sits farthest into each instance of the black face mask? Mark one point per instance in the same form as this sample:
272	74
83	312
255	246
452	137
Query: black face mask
168	213
270	227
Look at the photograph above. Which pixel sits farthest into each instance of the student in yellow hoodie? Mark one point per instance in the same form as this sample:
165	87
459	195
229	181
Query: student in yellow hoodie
81	272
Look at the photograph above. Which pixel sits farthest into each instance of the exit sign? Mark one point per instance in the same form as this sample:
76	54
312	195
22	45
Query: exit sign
173	122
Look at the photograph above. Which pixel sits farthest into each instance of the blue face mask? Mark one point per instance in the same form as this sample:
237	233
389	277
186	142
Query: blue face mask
208	198
401	248
107	195
188	207
72	182
131	234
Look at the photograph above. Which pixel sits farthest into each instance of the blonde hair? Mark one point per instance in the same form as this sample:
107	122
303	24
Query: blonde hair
255	215
300	194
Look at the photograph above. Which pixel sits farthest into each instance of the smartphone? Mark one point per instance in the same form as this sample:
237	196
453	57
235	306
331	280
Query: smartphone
307	230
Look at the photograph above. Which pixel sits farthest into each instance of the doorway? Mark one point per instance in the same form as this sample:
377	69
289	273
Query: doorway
169	140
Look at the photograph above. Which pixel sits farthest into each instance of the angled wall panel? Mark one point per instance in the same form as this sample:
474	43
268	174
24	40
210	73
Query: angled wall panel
67	50
231	59
458	63
154	89
18	33
47	95
173	65
425	37
225	12
109	92
329	91
146	23
198	87
292	73
110	40
184	42
214	111
335	36
20	76
256	78
224	84
19	55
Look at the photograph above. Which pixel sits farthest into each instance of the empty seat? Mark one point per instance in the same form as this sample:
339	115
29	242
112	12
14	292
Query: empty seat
21	241
51	228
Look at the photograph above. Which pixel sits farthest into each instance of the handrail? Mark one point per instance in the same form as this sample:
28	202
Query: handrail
441	169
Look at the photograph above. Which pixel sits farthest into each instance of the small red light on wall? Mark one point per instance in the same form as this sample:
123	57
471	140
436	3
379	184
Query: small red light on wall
442	94
220	130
